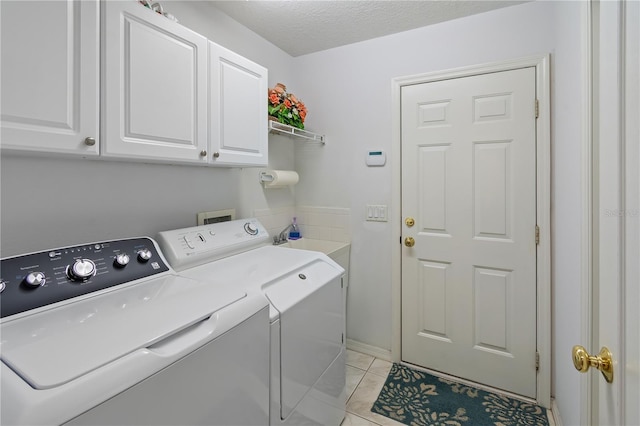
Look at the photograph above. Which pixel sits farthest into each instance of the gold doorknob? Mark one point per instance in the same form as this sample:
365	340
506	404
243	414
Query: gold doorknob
409	242
409	222
603	361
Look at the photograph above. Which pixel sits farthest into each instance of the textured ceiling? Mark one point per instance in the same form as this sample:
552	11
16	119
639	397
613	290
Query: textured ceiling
305	26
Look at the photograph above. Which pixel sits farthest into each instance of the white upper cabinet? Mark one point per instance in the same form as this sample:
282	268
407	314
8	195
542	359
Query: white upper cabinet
50	76
154	88
118	80
238	134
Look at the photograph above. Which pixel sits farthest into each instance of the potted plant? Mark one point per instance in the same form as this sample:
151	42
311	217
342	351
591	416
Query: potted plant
285	107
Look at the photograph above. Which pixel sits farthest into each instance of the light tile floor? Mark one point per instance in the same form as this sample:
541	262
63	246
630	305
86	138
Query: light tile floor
365	378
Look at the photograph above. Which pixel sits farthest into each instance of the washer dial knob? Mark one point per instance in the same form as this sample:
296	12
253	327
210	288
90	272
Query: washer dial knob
121	260
250	228
144	255
34	279
81	270
3	285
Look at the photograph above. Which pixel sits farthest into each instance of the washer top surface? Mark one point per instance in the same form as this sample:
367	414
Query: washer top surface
53	347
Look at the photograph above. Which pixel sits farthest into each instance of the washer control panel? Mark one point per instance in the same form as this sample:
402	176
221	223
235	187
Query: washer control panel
38	279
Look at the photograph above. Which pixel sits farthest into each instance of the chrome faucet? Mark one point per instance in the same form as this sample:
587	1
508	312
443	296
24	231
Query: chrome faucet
281	238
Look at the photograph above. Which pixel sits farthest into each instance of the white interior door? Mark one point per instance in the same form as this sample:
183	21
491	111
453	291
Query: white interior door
617	210
469	182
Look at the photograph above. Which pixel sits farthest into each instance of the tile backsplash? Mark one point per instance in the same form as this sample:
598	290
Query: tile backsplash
323	223
275	219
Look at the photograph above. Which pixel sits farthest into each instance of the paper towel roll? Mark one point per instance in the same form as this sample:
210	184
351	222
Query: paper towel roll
278	178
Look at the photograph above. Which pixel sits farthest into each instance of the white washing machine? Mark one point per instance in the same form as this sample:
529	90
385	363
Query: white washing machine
307	316
107	333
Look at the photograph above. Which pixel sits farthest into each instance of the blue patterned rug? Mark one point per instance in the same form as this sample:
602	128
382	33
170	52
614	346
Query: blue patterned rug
416	398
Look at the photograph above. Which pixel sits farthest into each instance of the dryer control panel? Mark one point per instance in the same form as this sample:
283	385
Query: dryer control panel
189	247
39	279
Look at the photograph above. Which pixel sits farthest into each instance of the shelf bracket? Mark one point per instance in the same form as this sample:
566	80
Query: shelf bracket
285	129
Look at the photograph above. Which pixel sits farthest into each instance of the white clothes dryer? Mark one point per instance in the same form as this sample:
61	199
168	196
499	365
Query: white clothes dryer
304	289
107	333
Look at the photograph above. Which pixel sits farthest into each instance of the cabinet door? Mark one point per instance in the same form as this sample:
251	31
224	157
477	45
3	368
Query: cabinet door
154	92
50	69
238	134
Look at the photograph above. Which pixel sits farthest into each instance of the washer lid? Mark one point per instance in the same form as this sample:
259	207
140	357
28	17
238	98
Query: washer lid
53	347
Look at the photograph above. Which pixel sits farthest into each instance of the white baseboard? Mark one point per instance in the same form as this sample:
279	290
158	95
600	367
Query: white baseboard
555	412
369	350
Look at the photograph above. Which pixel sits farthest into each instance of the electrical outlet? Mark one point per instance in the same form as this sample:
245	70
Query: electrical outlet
376	213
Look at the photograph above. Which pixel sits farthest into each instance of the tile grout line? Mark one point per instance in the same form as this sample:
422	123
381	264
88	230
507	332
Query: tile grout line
356	387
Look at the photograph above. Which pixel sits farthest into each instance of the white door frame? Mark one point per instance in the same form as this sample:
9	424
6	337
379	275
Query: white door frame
616	193
587	179
543	213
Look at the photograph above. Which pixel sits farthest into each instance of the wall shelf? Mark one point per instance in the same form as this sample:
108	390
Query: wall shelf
285	129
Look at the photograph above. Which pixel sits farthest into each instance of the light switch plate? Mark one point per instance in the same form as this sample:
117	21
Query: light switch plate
376	213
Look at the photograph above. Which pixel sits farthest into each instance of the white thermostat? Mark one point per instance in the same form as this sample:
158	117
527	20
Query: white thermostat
376	158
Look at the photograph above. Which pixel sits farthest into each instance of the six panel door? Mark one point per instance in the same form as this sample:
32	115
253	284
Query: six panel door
469	180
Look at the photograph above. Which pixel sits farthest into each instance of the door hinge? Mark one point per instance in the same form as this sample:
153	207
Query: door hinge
537	109
342	337
537	235
537	361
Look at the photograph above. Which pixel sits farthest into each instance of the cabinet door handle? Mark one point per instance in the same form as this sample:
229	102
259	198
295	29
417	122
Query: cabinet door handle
203	153
216	154
89	141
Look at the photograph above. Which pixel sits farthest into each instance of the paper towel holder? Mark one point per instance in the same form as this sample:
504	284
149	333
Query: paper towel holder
270	179
265	177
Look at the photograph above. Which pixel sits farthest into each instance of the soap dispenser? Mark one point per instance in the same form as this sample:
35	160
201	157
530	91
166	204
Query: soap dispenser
294	234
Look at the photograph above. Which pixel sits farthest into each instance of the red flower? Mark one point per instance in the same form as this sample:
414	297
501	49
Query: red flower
287	103
274	98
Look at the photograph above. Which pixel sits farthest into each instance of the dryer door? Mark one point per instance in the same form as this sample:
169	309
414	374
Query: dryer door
311	325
